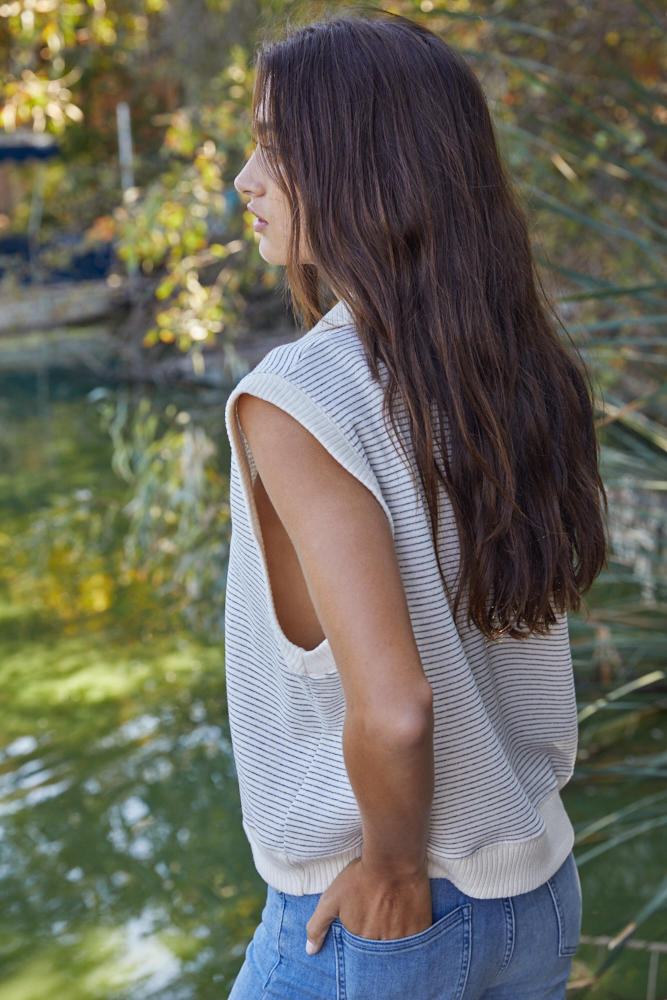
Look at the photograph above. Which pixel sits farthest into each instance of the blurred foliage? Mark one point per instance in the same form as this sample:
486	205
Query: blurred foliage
576	93
180	225
154	535
581	113
183	68
176	529
575	89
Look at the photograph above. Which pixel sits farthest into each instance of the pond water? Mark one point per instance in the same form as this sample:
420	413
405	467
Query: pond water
124	874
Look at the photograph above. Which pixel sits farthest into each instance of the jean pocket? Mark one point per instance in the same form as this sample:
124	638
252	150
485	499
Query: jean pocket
565	890
431	965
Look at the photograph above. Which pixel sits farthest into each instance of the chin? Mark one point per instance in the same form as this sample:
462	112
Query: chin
272	256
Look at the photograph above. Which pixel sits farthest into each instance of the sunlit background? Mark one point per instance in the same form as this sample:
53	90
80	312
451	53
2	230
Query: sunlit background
131	298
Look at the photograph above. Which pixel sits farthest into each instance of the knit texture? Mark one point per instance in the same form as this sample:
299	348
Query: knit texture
505	714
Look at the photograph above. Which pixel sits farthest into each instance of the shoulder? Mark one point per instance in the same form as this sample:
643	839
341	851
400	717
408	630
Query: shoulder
331	348
326	369
323	383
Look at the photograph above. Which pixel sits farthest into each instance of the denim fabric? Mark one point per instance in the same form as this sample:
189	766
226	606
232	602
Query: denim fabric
519	948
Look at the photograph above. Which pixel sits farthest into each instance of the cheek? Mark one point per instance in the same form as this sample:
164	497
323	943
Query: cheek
282	213
280	222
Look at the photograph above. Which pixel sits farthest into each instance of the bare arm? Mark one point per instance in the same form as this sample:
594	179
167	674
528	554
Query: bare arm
344	546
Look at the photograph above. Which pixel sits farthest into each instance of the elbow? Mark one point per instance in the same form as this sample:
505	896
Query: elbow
414	727
405	725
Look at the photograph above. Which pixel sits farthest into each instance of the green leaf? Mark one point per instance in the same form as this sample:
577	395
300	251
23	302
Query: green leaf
639	682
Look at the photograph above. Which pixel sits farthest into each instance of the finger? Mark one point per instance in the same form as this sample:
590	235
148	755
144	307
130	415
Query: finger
318	926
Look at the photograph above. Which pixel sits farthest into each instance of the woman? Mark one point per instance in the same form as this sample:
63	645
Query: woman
415	505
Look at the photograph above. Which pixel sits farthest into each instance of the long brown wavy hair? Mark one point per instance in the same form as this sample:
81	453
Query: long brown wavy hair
379	134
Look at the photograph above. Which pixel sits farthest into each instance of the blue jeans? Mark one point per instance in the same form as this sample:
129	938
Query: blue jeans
519	948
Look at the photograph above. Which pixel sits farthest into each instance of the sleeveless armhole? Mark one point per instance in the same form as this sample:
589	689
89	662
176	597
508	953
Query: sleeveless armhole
284	394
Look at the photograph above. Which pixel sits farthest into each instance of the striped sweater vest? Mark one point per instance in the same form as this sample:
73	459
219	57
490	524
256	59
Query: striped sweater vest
505	715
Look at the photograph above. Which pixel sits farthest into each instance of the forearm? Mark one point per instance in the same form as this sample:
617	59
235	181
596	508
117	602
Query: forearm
389	758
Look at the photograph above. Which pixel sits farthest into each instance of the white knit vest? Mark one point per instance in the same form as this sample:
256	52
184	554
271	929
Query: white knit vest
505	715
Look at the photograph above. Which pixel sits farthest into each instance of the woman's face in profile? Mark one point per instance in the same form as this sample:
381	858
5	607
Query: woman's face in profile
270	205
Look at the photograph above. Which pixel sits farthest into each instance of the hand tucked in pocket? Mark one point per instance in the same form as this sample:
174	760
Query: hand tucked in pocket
381	907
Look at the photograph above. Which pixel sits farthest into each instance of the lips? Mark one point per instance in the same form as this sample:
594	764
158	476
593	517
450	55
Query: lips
261	223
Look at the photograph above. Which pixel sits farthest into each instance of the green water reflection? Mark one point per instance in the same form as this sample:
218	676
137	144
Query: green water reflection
124	872
124	869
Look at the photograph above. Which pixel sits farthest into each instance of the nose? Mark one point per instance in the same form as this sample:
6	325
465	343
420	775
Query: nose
247	182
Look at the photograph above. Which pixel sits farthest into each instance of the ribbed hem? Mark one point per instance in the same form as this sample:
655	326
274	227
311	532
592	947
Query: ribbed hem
505	869
295	877
514	866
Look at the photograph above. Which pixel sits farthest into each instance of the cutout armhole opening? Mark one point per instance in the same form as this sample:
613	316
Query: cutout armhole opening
296	655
